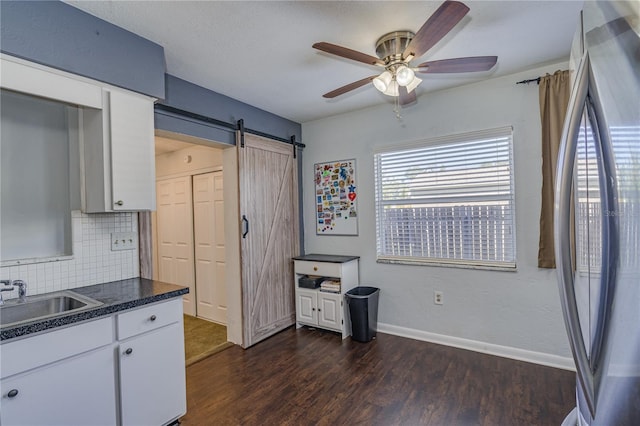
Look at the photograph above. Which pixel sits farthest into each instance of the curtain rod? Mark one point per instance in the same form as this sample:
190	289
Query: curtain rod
531	80
230	126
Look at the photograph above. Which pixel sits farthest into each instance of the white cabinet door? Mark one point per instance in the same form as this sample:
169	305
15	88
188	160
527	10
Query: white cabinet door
118	149
330	310
306	306
132	152
152	377
76	391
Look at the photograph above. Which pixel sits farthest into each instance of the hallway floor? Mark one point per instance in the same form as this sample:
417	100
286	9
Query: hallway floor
202	338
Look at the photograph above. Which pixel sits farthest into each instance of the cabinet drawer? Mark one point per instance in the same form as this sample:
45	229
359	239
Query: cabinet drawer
324	269
149	318
34	351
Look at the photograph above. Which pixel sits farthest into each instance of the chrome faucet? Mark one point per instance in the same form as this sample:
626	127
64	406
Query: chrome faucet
6	286
22	289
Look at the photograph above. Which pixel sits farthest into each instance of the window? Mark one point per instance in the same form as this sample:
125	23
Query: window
448	201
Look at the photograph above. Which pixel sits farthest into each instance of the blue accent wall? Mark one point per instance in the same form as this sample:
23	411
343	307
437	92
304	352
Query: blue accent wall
60	36
189	97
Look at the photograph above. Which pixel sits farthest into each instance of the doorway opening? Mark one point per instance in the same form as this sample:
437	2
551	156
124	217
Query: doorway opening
189	233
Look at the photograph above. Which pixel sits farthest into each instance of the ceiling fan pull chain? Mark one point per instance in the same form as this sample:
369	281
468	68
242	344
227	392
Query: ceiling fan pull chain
396	108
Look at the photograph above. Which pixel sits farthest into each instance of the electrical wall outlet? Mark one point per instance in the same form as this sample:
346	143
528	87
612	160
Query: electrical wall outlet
438	297
124	241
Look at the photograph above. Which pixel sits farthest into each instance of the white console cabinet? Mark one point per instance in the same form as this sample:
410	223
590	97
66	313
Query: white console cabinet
317	308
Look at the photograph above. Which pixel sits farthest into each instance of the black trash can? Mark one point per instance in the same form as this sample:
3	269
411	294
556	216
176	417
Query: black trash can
363	310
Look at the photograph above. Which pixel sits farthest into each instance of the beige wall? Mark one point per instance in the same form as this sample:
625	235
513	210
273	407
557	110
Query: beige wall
188	161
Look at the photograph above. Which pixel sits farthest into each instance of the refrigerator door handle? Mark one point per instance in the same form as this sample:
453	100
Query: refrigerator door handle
608	200
564	180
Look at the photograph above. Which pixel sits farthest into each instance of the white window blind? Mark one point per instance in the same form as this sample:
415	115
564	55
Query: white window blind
448	200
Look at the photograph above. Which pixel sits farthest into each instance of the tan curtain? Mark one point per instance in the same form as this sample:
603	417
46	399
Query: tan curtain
554	98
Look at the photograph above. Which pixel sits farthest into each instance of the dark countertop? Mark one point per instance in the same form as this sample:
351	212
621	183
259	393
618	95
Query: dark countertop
326	258
116	296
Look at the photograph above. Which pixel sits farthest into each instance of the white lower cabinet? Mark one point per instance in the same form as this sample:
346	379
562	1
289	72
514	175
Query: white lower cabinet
76	391
322	309
152	366
84	375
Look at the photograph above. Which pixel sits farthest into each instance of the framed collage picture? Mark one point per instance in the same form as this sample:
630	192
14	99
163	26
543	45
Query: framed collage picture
336	198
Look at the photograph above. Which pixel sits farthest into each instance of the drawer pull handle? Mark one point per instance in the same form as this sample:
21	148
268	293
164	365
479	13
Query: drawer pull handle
152	318
119	203
315	268
129	351
12	393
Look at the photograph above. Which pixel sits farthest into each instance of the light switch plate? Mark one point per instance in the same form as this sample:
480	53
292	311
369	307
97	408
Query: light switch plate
124	241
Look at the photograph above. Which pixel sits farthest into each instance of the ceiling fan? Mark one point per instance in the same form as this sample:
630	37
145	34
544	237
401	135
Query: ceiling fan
397	49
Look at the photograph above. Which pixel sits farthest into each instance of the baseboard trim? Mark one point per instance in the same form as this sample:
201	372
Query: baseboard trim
541	358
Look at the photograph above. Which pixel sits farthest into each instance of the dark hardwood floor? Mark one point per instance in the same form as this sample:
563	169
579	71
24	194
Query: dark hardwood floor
308	377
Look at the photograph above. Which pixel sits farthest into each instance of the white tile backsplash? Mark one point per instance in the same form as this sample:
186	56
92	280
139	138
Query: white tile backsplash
93	261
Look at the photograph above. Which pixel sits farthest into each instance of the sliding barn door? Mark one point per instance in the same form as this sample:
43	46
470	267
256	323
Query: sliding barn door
268	182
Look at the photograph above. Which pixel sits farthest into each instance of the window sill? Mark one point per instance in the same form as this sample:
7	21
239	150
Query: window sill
441	264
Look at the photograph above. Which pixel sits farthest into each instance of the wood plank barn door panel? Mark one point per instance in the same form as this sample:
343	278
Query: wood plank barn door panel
268	180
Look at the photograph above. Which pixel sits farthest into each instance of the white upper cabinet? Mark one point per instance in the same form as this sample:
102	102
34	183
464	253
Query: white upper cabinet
118	154
115	129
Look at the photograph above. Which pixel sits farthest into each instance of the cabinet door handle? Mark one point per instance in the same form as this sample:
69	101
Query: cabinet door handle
119	203
319	310
313	309
12	393
152	318
129	351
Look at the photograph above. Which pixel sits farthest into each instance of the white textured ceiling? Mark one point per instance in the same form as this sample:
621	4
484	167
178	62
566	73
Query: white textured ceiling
260	53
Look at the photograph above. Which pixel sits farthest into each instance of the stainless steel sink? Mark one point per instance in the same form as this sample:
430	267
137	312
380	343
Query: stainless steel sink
44	306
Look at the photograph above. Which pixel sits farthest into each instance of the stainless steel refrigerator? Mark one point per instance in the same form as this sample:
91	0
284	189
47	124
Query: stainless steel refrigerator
597	215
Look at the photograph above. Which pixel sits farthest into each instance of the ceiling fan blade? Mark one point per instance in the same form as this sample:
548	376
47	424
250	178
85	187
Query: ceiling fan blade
406	97
347	88
334	49
436	27
468	64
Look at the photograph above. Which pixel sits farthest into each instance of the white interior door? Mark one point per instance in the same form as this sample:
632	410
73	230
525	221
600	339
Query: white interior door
268	186
208	220
175	236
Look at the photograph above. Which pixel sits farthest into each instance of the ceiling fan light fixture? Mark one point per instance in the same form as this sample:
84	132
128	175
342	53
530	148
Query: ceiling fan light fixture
404	75
392	89
383	81
414	83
